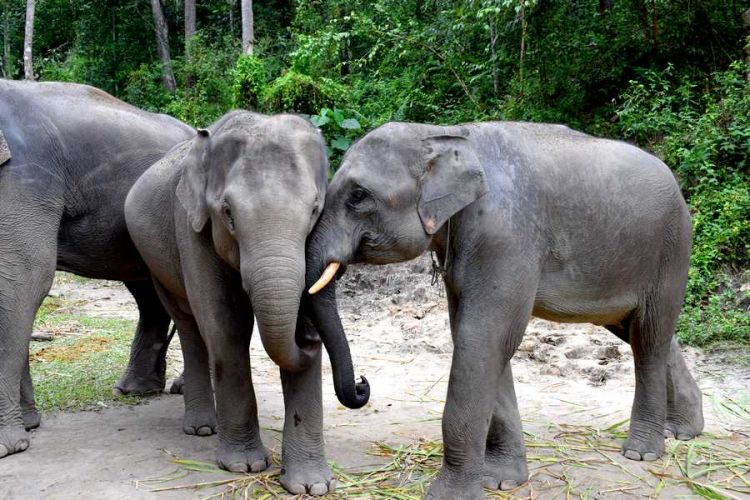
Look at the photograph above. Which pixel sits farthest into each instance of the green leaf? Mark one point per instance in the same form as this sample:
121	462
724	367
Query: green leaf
338	116
341	143
350	124
319	121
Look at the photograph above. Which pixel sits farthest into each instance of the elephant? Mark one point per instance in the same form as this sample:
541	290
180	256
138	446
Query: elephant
221	221
68	156
526	219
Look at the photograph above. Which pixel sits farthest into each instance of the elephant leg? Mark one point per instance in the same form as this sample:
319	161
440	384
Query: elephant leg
28	255
146	369
200	410
31	417
178	384
240	446
304	468
505	453
651	335
490	318
684	399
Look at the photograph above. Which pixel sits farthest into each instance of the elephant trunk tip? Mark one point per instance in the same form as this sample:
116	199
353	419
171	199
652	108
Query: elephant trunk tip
359	398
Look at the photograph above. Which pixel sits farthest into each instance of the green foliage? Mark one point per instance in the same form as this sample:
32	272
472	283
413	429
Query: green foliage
658	73
338	131
249	82
703	130
300	93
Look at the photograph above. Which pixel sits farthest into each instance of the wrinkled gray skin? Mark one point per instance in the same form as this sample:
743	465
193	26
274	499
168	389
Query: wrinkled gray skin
527	219
221	222
75	153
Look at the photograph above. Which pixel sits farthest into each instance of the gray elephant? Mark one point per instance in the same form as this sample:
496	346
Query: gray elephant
221	222
68	156
526	219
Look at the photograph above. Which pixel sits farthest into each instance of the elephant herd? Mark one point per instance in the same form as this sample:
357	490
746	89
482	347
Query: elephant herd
218	228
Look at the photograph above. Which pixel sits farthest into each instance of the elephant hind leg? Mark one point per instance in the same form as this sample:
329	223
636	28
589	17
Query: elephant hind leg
684	399
31	417
146	369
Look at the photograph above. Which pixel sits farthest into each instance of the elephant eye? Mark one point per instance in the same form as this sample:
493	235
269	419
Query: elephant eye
226	212
357	197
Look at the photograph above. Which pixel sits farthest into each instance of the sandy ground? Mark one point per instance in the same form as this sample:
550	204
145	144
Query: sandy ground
567	377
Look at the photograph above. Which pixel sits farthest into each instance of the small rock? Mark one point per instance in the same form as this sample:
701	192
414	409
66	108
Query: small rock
527	345
598	376
553	339
576	352
608	352
419	314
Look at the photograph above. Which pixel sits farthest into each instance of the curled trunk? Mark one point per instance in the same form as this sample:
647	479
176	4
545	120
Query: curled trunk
322	310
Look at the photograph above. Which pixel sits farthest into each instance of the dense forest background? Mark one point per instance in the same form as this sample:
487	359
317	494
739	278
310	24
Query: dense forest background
672	76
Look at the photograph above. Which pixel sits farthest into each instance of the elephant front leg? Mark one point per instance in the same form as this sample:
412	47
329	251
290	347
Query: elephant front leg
481	427
240	446
505	454
303	465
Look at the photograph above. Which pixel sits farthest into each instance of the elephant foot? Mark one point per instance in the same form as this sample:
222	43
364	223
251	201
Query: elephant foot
453	486
13	440
243	459
307	478
682	430
31	419
504	473
177	384
643	446
199	423
684	411
133	385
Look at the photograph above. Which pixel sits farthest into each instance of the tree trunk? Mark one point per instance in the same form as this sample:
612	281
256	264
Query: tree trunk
746	20
189	34
7	69
162	45
189	24
493	51
232	29
248	36
28	39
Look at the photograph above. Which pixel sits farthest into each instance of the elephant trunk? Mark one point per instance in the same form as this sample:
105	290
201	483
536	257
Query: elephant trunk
323	312
274	283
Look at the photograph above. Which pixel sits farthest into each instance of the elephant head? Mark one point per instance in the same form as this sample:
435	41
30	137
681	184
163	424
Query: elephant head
256	185
396	188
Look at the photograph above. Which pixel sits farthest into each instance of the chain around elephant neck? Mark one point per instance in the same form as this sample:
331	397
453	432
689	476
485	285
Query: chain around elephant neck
438	270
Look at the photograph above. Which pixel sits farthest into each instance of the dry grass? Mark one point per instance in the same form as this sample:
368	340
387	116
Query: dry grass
567	462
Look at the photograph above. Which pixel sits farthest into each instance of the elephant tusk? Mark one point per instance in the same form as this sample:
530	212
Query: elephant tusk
325	278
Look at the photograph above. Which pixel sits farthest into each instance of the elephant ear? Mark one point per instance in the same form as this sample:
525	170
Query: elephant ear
191	190
4	149
452	179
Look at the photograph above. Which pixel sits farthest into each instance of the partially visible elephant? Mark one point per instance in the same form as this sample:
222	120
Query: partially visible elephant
221	222
68	156
526	219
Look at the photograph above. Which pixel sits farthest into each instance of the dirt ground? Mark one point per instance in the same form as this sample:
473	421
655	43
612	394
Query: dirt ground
574	384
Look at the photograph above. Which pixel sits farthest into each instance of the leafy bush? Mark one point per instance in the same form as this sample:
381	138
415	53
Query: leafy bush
705	135
338	131
300	93
249	82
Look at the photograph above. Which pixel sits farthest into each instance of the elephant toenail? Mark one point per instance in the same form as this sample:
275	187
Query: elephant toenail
318	489
649	457
22	445
508	484
632	455
297	489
